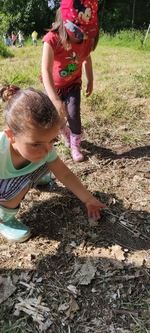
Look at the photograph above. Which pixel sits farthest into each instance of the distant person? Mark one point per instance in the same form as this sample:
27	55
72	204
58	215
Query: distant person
34	37
13	38
6	40
27	152
20	38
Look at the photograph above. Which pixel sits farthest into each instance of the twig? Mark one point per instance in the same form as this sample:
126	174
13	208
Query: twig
124	226
138	323
131	313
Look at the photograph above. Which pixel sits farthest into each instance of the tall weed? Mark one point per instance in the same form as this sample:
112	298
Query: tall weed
126	38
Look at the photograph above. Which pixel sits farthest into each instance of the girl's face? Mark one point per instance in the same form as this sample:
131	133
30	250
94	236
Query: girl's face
35	144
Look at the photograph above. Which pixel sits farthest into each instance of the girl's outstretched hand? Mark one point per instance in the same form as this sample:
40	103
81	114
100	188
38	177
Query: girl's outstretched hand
94	207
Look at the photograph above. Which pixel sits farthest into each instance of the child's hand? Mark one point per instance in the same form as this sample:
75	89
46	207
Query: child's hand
94	206
89	89
60	107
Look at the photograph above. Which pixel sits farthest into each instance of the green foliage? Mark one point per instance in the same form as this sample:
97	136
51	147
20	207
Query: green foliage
114	15
4	23
26	15
5	51
119	15
126	38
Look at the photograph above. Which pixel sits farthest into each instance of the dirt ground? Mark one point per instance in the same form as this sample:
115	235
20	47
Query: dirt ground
76	275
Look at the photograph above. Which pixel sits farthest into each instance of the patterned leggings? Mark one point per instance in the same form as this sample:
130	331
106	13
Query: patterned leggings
72	99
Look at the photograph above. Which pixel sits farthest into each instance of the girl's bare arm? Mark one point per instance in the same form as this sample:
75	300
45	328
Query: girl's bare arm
69	179
47	76
87	64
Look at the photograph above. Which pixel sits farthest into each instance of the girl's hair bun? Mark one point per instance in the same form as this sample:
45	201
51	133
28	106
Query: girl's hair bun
7	91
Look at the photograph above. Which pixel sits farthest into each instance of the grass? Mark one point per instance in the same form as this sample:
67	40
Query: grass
121	88
134	39
121	77
5	51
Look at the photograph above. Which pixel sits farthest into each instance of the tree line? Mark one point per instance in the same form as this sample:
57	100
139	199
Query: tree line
119	15
114	15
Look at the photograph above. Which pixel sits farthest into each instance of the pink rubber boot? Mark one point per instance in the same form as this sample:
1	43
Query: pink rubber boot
65	134
75	147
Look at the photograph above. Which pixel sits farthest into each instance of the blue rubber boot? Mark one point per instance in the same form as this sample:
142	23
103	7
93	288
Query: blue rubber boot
46	180
10	227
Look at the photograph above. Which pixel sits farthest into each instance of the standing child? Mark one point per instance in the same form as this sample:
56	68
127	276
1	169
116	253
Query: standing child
7	39
67	46
34	37
21	39
13	38
27	153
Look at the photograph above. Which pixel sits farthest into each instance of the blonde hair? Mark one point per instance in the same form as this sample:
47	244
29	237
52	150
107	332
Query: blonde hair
59	28
7	91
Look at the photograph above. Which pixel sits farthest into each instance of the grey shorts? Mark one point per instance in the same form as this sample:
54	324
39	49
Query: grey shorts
10	188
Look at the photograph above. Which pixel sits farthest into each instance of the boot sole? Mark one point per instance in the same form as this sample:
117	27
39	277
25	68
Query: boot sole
13	239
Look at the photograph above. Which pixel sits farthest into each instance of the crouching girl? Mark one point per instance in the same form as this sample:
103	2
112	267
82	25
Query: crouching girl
27	154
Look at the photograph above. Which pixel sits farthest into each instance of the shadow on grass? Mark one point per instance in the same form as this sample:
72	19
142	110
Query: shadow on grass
134	153
56	215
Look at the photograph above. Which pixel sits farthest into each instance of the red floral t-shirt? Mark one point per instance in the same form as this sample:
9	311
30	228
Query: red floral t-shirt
67	67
